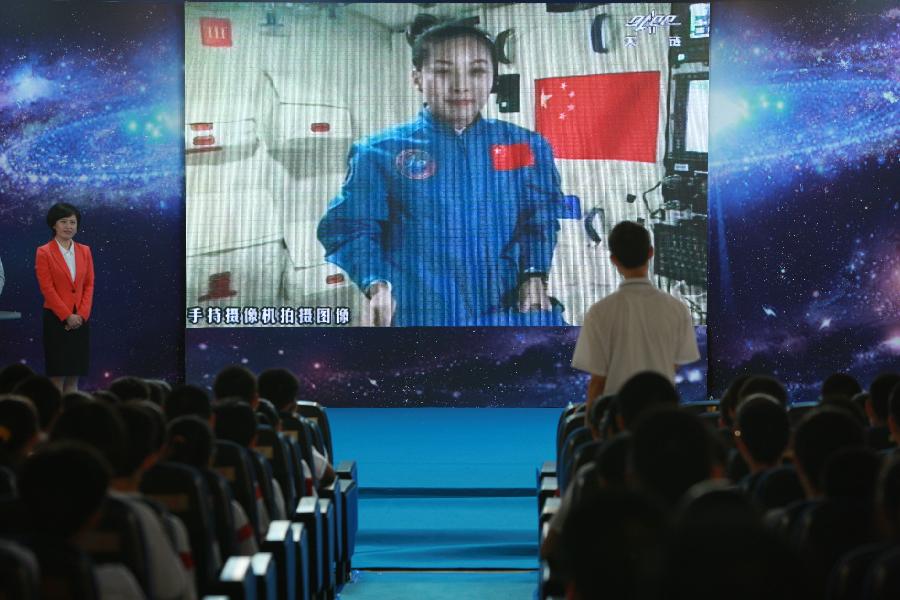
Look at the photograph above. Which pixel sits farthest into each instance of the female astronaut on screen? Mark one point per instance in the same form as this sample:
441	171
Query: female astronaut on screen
450	219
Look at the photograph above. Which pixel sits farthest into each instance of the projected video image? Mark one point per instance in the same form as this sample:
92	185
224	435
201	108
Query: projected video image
390	165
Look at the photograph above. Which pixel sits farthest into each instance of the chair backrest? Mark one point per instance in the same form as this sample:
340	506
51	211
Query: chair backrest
119	538
66	572
264	570
274	447
316	413
182	490
264	477
845	582
237	581
298	431
883	579
573	421
19	572
577	437
302	554
221	495
279	542
309	514
234	463
585	453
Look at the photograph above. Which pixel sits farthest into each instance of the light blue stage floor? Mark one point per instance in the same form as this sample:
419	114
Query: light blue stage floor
441	586
409	460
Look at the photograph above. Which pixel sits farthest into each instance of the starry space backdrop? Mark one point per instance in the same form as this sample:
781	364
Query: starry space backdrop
91	114
804	191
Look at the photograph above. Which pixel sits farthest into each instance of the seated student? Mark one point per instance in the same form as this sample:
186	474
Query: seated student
12	374
280	387
130	388
763	384
186	400
839	384
18	435
728	406
877	409
761	435
79	475
190	441
821	433
887	499
45	396
236	422
236	382
672	450
159	391
610	544
102	427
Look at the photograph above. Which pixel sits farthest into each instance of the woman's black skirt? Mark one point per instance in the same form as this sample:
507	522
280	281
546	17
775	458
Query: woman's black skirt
66	353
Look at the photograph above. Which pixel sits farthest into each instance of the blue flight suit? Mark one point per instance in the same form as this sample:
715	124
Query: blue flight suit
453	221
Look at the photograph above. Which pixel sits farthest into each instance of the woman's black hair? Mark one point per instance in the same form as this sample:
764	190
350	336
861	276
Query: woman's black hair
425	31
61	210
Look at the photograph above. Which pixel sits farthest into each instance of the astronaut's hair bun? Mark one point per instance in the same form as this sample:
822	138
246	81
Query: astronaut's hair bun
419	24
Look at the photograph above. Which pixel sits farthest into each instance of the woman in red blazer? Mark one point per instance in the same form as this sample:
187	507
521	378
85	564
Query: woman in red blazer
65	273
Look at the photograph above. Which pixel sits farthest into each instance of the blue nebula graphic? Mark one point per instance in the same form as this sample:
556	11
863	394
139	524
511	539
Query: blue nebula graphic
805	213
90	113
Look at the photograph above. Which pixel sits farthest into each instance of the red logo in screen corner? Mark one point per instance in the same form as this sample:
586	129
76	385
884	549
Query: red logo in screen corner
215	32
511	156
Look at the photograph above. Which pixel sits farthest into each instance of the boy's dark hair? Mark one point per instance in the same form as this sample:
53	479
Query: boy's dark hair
235	382
61	210
848	406
611	540
597	414
426	33
235	421
13	374
97	425
642	392
145	431
159	391
820	433
630	244
130	388
763	384
671	450
188	400
280	387
45	396
894	404
70	399
62	485
881	392
190	440
18	425
728	403
764	427
840	384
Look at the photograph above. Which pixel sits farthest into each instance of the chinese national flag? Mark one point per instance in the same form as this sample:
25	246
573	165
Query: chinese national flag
508	157
601	117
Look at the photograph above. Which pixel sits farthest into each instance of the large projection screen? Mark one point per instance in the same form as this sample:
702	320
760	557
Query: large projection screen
314	169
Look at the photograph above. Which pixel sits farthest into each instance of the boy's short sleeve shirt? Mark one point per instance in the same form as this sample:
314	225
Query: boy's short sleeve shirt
637	328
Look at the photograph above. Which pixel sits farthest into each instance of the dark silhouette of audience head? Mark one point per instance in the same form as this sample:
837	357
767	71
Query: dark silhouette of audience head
188	400
611	540
145	430
99	426
728	403
671	450
12	374
840	384
280	387
851	473
642	392
62	487
130	388
877	406
190	440
629	243
235	422
820	434
762	431
45	396
18	429
762	384
236	382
